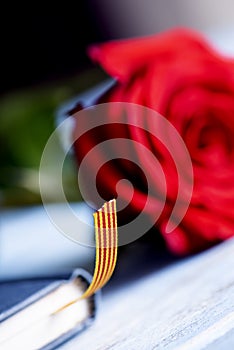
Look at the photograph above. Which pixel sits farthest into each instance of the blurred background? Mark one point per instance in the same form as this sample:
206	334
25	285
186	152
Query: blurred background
44	64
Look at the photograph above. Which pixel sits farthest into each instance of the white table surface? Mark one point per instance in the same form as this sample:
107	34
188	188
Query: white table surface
183	304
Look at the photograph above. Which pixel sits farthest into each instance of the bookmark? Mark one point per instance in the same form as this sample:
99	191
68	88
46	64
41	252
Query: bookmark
106	237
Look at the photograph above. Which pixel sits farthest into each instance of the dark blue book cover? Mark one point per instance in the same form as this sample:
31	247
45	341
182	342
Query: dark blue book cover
18	296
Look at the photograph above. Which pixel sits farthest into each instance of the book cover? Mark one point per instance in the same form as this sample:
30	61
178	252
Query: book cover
29	314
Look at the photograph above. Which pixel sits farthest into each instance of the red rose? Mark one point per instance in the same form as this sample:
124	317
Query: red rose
180	76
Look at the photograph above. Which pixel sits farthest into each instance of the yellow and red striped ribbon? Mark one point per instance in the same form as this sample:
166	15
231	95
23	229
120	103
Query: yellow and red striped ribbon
106	236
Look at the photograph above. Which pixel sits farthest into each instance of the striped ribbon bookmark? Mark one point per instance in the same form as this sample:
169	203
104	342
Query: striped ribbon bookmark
106	237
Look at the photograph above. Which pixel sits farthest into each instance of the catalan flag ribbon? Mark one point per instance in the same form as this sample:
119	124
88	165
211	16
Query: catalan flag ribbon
106	235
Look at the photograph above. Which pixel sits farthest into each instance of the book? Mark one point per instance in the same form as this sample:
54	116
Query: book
40	320
59	310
